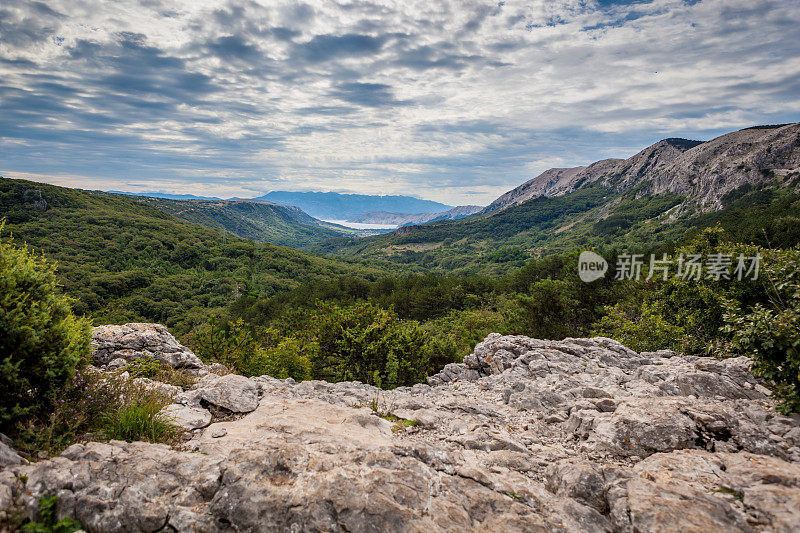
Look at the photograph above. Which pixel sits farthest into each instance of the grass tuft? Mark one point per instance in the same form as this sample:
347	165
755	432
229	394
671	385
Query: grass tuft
140	420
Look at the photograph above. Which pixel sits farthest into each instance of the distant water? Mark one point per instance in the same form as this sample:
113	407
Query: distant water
358	225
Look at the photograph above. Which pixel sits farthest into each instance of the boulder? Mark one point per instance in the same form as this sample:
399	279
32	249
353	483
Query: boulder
187	417
136	340
9	457
232	392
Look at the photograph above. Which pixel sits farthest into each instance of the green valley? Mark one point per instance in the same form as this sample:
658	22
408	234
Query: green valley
124	259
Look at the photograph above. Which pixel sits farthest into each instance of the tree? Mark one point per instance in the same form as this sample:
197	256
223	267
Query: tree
41	341
366	343
770	334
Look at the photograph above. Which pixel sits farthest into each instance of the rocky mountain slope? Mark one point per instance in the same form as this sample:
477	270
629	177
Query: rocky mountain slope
406	219
526	435
701	171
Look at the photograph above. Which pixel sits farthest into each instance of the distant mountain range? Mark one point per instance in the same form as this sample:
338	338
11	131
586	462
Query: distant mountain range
407	219
258	220
167	195
343	207
338	206
748	181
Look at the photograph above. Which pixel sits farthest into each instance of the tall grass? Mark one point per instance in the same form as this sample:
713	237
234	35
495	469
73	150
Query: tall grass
140	420
98	406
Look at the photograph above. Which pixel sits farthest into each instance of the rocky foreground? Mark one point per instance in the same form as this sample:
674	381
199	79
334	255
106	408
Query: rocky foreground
526	435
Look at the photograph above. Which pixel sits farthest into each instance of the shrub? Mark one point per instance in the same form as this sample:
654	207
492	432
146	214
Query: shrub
254	350
640	328
41	341
366	343
286	360
143	367
452	337
771	335
231	343
549	311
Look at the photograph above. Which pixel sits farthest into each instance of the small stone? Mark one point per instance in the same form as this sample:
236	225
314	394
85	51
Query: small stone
117	364
219	432
554	418
606	405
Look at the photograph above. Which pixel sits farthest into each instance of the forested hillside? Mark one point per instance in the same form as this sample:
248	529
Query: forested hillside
125	260
255	220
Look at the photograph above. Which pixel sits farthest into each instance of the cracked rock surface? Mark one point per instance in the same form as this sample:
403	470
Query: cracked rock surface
526	435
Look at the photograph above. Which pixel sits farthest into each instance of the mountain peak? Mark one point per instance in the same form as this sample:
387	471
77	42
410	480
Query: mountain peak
679	142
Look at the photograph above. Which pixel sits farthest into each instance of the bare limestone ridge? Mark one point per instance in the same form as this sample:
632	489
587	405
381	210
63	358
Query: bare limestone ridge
702	171
525	435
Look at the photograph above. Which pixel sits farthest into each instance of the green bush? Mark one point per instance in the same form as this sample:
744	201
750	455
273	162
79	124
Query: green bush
95	403
289	359
771	334
549	311
253	350
143	367
365	343
41	341
640	328
453	336
146	367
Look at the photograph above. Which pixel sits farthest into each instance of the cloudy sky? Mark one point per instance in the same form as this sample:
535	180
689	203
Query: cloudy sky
453	101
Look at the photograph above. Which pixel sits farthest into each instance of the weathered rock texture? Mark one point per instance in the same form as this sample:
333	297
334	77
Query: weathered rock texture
136	340
9	457
527	435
